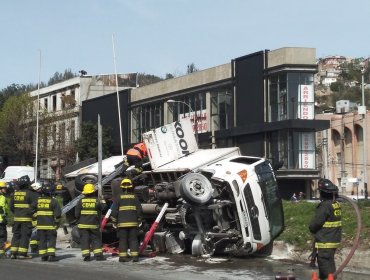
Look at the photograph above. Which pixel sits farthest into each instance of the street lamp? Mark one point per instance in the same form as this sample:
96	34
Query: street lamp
171	101
364	130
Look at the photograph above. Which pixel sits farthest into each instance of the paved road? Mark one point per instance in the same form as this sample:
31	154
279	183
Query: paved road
164	267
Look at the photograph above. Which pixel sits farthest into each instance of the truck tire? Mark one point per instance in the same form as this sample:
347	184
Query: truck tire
199	247
83	179
196	189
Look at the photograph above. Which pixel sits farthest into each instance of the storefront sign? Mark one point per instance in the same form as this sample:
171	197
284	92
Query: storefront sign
307	150
306	102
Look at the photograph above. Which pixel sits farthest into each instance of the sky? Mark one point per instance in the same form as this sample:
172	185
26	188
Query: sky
42	37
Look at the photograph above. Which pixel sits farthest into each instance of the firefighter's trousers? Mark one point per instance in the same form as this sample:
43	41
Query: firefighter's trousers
326	262
3	238
91	237
21	238
47	242
128	238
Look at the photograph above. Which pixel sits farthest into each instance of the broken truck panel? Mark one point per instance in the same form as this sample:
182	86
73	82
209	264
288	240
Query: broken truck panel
170	142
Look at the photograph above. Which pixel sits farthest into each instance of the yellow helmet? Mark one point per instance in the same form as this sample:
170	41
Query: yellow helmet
88	188
2	184
126	183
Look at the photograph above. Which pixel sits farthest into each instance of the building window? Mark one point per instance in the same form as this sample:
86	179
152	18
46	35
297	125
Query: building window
54	102
191	106
295	148
46	104
222	109
291	96
145	118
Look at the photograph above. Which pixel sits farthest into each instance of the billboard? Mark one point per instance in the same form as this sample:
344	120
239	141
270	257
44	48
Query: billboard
306	102
307	150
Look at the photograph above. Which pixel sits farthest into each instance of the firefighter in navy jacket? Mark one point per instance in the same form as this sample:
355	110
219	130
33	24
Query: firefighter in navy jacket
127	214
88	212
326	225
23	206
48	220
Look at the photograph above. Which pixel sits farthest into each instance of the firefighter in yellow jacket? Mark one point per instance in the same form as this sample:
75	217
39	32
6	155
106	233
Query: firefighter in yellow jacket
23	206
88	213
127	214
4	212
48	219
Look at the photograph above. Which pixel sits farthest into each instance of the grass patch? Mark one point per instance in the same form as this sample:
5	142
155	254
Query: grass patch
298	216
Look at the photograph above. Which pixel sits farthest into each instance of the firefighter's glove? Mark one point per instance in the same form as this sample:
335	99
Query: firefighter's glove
34	223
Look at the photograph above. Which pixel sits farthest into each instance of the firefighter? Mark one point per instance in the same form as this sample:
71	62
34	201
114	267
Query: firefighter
4	212
127	214
88	213
326	226
136	156
36	188
48	220
23	206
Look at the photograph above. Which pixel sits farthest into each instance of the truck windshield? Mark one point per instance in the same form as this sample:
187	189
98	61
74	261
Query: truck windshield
274	206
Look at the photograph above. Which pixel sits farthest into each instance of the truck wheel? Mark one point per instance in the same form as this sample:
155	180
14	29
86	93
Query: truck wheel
196	189
83	179
200	247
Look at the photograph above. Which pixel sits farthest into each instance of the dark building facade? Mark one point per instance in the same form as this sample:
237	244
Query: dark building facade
262	102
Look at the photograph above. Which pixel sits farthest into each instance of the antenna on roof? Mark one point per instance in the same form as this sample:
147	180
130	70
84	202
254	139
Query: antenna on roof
37	118
119	109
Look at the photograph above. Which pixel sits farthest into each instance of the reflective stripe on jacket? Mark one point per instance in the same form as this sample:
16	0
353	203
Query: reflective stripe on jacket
128	211
327	225
23	205
48	213
88	212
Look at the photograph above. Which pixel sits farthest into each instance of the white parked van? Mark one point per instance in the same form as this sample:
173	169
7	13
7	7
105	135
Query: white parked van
12	173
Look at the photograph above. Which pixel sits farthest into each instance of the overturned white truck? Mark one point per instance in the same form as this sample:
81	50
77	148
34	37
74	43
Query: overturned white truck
220	202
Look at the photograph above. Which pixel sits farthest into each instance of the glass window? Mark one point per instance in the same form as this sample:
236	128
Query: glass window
189	106
295	148
222	108
284	90
145	118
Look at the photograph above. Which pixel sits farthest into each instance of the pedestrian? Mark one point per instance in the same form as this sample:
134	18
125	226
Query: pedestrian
301	196
4	212
127	214
293	198
136	156
34	241
48	220
23	206
326	226
89	213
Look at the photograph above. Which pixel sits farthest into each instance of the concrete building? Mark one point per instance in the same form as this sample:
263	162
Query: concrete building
262	102
341	151
60	109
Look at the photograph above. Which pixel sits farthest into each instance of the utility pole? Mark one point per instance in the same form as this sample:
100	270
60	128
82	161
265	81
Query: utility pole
363	111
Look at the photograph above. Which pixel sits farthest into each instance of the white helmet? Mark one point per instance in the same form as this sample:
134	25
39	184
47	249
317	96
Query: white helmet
36	186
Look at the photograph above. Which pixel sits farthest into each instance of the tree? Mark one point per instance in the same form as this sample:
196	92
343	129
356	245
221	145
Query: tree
59	77
191	68
147	79
87	144
16	138
14	90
